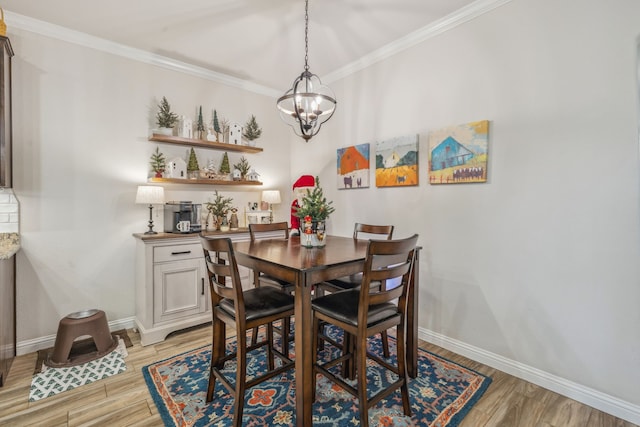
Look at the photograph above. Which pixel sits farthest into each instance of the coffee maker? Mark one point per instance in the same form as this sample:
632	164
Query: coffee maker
182	217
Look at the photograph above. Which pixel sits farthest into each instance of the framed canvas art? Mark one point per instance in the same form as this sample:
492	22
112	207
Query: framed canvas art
459	154
353	167
397	162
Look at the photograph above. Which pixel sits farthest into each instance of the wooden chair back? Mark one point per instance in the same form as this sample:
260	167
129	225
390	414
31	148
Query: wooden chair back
266	231
224	279
368	231
387	260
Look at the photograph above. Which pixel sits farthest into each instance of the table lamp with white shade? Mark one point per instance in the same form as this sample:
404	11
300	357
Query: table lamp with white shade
150	195
273	198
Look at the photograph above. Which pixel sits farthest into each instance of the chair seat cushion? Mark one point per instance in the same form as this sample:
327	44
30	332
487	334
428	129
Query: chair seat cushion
350	282
272	281
260	302
344	307
347	282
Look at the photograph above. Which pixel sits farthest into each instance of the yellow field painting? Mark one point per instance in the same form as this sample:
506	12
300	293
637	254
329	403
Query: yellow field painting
397	176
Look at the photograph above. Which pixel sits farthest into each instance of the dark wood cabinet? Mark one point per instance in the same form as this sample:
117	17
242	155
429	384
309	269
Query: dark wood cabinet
5	113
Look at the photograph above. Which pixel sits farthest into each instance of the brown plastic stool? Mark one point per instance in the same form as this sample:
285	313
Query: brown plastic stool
88	322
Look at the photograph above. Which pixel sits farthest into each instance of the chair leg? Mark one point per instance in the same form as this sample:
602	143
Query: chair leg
212	383
254	335
270	363
361	357
385	343
314	354
241	379
217	353
402	369
319	329
286	330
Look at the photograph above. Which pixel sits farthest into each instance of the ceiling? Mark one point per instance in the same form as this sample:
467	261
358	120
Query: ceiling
259	41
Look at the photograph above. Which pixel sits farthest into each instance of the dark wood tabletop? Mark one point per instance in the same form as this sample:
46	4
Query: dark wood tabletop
304	267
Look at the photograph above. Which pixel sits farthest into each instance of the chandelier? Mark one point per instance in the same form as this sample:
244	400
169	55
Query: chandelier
309	103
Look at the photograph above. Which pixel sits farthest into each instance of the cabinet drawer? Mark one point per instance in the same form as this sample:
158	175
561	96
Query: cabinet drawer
177	252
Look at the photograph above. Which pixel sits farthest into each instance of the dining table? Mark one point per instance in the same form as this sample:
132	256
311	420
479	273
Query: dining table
304	267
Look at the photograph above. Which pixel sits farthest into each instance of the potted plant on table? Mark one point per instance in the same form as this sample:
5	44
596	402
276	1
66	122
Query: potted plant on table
219	208
313	212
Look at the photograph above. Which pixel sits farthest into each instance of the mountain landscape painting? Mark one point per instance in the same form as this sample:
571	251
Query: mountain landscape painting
459	154
353	167
397	162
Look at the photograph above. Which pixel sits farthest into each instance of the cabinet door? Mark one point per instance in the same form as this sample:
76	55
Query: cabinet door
178	289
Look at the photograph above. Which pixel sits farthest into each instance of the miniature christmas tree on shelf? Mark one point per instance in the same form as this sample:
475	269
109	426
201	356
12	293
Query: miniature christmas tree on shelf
158	163
165	118
251	130
216	125
200	129
192	167
243	166
224	166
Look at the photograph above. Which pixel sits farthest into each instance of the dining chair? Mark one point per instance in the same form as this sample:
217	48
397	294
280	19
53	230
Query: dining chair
242	310
360	232
366	311
275	230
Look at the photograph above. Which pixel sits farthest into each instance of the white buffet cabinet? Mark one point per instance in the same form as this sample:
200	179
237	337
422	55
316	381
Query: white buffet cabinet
172	290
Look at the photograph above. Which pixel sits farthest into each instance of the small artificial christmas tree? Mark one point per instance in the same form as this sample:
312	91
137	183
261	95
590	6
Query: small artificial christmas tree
200	124
315	205
224	166
192	166
165	118
158	162
251	129
243	166
216	125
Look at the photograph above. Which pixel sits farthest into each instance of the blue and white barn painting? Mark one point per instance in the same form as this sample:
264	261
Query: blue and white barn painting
449	153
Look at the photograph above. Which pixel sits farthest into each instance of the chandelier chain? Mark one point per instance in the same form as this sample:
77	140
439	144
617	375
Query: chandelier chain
306	35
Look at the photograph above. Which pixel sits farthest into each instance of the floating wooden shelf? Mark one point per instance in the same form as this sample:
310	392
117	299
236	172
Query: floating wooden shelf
204	144
202	181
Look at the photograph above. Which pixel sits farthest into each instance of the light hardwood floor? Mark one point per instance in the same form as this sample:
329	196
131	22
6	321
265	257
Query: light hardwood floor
123	400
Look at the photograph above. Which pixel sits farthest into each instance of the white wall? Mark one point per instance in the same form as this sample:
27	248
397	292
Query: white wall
539	266
81	120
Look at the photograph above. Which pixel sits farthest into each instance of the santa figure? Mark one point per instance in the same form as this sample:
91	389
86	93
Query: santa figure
300	187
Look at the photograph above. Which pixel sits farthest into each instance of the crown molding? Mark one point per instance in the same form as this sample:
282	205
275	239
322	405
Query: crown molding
82	39
459	17
447	23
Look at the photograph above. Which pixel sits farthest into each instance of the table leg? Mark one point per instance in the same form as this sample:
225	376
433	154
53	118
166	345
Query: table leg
303	358
412	319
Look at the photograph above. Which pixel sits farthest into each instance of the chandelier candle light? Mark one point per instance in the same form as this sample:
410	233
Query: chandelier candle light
309	103
148	194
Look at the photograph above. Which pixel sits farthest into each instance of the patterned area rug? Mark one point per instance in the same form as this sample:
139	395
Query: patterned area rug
51	381
441	395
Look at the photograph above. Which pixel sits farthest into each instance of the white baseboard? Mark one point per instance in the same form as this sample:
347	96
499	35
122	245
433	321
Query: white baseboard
594	398
32	345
